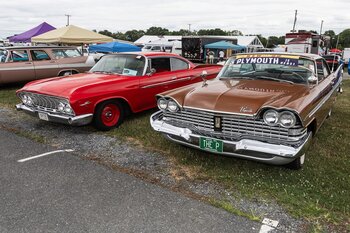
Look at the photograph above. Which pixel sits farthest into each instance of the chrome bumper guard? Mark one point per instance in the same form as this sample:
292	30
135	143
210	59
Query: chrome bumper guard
245	148
69	120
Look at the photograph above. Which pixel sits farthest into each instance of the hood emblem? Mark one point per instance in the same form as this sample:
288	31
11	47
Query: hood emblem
246	109
217	123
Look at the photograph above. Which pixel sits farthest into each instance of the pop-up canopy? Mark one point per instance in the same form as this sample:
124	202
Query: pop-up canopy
114	47
27	35
71	35
224	45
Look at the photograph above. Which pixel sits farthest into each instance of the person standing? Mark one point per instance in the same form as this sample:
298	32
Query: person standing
211	57
221	55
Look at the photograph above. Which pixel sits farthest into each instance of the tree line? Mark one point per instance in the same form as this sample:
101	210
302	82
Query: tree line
342	38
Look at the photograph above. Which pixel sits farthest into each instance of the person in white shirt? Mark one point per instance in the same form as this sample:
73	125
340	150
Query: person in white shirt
221	55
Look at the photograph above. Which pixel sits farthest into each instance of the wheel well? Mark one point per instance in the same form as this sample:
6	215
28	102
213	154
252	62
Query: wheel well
71	70
123	102
312	127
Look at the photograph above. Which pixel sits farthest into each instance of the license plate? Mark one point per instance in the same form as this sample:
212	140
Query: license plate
211	144
43	116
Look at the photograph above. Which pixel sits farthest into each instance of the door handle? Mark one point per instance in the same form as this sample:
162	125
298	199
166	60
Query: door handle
52	62
173	78
28	63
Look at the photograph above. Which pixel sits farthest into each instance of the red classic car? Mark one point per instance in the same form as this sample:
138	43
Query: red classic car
116	86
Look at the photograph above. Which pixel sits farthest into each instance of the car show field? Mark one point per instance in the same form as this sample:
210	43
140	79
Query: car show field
180	116
317	194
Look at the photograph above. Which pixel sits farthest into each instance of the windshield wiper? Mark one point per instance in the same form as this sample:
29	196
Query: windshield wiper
273	79
103	72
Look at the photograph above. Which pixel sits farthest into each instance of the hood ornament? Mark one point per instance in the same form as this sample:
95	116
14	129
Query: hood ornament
204	75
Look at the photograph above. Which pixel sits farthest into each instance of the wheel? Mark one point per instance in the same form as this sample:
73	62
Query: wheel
297	163
108	115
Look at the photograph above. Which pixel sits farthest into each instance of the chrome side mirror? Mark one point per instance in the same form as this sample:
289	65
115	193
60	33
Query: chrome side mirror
312	80
204	75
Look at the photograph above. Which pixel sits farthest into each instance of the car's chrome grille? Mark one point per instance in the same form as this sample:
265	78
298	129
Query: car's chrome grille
45	103
233	127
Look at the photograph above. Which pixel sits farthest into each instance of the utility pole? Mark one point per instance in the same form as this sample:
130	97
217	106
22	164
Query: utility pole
68	16
189	27
321	27
295	20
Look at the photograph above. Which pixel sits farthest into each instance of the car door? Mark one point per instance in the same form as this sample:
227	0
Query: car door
17	67
44	65
181	73
157	80
323	90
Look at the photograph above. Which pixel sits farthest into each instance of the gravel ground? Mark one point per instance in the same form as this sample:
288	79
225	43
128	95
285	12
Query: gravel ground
149	166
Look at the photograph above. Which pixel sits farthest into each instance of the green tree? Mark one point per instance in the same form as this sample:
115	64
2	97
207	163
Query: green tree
208	32
344	39
157	31
106	33
133	35
273	41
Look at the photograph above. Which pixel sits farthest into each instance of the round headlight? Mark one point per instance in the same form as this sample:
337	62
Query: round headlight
67	109
172	106
24	99
29	101
287	119
271	117
61	107
162	103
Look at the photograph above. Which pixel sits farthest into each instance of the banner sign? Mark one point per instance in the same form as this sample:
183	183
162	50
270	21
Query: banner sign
266	59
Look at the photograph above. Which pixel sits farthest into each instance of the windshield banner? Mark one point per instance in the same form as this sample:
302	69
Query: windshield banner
266	59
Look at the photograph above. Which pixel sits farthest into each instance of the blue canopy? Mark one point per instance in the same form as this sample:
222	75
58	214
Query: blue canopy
224	45
114	47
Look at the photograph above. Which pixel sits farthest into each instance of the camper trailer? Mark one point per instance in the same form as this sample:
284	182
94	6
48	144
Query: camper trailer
304	42
163	46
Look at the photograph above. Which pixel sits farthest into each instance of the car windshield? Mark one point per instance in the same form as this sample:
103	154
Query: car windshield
125	64
274	67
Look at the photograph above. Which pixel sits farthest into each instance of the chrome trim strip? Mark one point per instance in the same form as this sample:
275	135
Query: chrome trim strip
167	82
280	154
69	120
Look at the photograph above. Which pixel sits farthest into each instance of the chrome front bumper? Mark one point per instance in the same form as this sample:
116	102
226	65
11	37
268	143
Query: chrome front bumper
245	148
69	120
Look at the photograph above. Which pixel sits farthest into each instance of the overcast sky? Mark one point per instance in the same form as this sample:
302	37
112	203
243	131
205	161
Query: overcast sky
266	17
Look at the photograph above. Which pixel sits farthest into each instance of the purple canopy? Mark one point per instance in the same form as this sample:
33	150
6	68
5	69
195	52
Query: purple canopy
27	36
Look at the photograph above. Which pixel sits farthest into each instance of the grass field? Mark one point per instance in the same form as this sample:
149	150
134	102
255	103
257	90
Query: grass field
319	193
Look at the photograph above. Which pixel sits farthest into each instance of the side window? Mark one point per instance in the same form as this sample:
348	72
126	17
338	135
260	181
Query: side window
322	69
178	64
39	55
160	64
155	48
19	55
326	71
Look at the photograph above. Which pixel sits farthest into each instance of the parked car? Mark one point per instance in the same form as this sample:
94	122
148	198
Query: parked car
333	61
264	107
116	86
27	63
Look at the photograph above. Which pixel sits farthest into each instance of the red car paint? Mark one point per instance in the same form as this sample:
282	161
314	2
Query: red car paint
85	91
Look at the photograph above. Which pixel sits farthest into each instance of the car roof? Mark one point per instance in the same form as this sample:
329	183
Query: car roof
40	47
305	55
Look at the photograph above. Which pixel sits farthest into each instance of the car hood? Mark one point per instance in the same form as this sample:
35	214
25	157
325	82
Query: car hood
64	86
241	96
